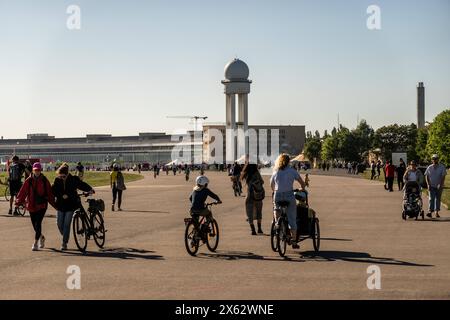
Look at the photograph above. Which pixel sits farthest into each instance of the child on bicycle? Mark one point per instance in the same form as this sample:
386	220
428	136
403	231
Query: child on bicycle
199	195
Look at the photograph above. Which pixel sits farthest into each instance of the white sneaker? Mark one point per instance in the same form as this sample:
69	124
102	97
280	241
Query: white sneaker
42	242
34	247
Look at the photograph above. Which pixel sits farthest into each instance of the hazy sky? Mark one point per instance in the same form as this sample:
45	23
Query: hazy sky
135	62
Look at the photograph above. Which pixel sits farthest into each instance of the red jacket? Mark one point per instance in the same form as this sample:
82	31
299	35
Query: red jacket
27	193
390	171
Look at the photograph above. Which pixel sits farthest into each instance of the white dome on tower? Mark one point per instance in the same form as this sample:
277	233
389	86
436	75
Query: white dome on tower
236	70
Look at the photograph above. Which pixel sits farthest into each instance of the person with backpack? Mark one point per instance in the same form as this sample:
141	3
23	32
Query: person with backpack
79	170
37	193
65	188
255	195
15	174
117	186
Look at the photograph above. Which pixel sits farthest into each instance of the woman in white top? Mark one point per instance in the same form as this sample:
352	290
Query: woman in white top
413	174
282	183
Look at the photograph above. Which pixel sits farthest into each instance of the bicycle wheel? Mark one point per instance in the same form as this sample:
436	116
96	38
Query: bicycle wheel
7	195
213	235
79	231
190	241
98	226
316	235
282	238
273	237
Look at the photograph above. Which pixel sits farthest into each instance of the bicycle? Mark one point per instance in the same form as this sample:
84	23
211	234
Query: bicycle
89	223
205	230
281	230
280	236
236	187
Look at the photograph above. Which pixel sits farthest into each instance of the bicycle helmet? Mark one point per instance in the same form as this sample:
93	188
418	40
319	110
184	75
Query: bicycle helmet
202	181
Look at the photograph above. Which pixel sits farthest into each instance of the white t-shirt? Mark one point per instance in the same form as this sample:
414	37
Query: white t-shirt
283	180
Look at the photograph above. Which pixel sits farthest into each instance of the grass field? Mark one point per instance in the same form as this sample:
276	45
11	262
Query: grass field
93	178
445	195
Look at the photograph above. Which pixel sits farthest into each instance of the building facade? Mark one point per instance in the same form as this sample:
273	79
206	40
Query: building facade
291	140
146	147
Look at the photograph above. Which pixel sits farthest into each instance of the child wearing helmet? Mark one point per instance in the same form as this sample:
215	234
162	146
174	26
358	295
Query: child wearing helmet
199	195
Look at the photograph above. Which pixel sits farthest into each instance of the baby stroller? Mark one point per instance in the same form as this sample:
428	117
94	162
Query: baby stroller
412	201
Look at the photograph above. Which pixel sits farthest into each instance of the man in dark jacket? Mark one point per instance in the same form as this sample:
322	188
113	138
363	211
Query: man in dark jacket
65	189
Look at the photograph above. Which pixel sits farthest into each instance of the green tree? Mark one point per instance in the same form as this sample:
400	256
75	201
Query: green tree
329	148
364	135
312	149
347	145
439	137
421	145
395	138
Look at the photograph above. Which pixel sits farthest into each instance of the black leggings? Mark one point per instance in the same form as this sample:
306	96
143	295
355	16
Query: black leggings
36	221
116	192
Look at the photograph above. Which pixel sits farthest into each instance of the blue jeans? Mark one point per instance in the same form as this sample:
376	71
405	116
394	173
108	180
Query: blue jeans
291	209
434	199
64	221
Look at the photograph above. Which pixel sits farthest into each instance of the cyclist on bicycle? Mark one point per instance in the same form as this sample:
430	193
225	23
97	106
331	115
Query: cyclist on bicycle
198	197
236	173
282	184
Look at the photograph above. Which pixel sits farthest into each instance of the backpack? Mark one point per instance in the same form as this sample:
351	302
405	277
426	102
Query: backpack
39	199
120	181
257	190
15	174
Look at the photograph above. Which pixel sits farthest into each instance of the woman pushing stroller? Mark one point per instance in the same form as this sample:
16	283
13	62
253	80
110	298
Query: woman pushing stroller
412	195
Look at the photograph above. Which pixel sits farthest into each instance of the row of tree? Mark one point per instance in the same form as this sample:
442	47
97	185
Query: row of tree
355	145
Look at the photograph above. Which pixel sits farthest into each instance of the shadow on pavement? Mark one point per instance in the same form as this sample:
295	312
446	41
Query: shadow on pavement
435	220
334	239
239	255
118	253
361	257
142	211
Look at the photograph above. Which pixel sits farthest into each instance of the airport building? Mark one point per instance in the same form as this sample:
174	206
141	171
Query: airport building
94	148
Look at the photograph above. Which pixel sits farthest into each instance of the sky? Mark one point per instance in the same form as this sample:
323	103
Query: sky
133	63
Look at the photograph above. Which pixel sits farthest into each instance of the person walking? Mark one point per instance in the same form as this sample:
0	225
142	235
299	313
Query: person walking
16	171
155	170
390	175
65	189
79	170
413	174
282	184
255	195
37	193
378	169
117	183
373	169
435	178
400	170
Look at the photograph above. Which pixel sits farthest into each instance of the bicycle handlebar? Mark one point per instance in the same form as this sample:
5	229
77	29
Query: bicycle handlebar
86	194
213	203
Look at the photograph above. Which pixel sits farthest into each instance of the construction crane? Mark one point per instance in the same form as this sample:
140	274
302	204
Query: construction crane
195	118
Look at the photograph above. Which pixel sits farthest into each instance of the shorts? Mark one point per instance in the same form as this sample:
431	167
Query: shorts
204	212
253	209
14	187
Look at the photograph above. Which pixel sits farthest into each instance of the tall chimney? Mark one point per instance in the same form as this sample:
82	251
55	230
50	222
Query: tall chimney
420	105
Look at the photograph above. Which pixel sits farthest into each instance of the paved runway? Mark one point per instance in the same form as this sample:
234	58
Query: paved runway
145	258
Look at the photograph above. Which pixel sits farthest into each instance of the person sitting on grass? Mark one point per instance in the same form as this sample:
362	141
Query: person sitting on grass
198	198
